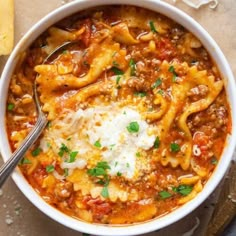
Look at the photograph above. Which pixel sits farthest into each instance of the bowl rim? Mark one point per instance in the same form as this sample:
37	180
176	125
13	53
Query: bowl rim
155	224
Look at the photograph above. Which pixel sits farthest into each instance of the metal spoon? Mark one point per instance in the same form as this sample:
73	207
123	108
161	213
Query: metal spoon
8	167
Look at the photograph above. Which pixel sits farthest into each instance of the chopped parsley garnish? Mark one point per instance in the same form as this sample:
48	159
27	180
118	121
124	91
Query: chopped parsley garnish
10	106
117	71
104	165
66	172
132	67
140	94
65	52
111	146
161	92
214	161
50	168
183	189
138	154
152	27
72	157
127	165
105	192
118	173
115	63
118	79
157	83
164	194
36	152
99	169
97	144
49	124
172	70
157	143
174	147
24	160
63	149
133	127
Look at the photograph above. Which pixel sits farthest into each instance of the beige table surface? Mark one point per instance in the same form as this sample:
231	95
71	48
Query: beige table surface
19	217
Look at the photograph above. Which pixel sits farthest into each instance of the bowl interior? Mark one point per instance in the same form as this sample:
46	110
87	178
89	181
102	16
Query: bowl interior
218	174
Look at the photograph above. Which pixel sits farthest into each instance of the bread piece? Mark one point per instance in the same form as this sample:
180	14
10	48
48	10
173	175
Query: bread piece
6	26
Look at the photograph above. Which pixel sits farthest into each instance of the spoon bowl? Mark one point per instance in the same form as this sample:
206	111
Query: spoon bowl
7	168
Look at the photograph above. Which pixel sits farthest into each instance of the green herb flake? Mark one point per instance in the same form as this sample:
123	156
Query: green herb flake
104	165
10	106
111	146
172	70
118	80
152	27
127	165
63	149
50	168
96	172
117	71
132	67
174	147
24	161
49	124
119	174
84	234
65	52
48	145
97	144
183	189
214	161
164	194
138	154
140	94
114	53
99	169
105	192
156	143
72	157
115	63
157	83
161	92
133	127
66	172
36	152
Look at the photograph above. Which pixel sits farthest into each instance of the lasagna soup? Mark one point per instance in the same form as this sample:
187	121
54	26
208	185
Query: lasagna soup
137	115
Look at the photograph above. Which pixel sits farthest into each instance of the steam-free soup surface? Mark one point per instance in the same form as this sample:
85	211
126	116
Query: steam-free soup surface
137	110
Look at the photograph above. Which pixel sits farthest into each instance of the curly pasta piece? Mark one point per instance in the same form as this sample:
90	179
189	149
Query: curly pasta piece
121	34
188	78
158	100
49	74
59	36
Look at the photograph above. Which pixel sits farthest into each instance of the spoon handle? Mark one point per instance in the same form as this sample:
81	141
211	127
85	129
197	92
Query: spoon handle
7	168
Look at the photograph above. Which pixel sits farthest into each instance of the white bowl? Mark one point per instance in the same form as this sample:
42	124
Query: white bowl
182	211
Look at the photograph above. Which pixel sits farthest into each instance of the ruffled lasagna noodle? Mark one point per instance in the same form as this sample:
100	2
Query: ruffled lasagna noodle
137	110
